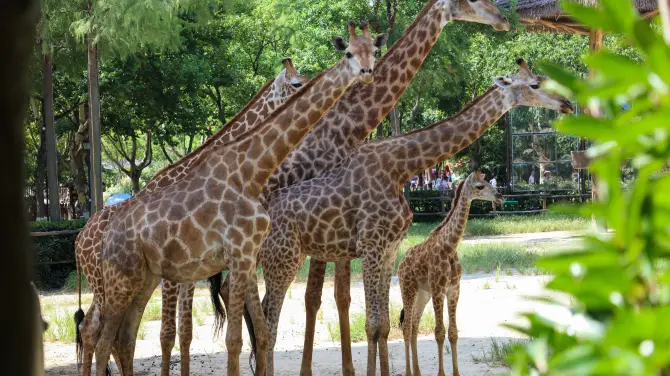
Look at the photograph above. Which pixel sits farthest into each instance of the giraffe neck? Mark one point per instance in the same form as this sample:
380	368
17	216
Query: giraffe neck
415	151
450	231
362	108
258	108
265	147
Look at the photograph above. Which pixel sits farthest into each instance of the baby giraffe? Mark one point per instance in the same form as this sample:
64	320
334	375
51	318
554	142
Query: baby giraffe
432	270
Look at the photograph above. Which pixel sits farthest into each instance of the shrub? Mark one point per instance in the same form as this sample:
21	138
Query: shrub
50	251
614	321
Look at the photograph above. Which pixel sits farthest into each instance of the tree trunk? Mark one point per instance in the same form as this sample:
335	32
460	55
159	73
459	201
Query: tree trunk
395	121
77	159
40	175
380	131
51	153
135	175
20	328
94	103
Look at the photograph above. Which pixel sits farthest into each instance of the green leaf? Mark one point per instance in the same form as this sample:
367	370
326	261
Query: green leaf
617	66
585	126
590	16
561	75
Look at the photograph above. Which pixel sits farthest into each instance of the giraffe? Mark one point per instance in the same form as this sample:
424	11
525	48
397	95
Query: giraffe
88	244
211	219
431	270
350	121
357	210
287	83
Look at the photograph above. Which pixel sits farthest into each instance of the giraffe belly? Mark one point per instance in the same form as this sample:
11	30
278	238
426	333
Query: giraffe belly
193	269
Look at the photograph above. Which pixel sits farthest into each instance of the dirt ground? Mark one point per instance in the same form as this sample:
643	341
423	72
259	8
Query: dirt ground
486	302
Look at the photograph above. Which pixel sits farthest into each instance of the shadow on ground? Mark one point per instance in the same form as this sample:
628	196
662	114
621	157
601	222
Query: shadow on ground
326	360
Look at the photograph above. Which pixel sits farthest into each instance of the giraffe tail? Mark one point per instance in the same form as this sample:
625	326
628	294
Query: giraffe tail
78	318
215	282
402	317
252	338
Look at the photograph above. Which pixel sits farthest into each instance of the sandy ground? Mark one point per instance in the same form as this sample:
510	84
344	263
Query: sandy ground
485	303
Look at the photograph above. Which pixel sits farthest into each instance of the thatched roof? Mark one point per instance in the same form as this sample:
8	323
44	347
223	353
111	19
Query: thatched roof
547	15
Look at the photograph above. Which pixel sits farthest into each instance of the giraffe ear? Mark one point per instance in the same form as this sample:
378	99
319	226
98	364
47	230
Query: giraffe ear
340	44
380	40
502	81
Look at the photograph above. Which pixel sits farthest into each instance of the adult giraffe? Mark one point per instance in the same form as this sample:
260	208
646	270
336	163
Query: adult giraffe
88	244
357	210
344	127
211	219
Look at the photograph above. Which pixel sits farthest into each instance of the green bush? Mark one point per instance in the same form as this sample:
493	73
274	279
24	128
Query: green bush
615	320
51	250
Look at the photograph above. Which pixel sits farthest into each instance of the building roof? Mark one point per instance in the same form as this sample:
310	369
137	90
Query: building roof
547	15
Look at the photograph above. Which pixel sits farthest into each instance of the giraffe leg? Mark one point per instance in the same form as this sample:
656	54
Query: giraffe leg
422	299
438	306
373	276
261	332
343	301
452	302
127	332
170	293
186	291
385	322
317	272
239	284
90	332
408	293
278	273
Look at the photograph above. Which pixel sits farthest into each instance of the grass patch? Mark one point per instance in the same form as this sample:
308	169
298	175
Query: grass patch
201	310
357	324
61	326
475	258
498	353
71	282
141	331
153	311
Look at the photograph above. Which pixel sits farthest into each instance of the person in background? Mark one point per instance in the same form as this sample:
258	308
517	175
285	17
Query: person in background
493	182
531	178
438	183
448	175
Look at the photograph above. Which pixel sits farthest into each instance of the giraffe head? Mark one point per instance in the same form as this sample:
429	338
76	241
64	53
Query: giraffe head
361	50
524	89
476	188
480	11
288	81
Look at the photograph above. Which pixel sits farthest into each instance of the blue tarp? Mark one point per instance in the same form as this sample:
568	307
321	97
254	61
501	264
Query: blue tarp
117	198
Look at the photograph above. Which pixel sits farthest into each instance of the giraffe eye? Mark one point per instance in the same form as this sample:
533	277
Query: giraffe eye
296	85
535	86
479	186
349	55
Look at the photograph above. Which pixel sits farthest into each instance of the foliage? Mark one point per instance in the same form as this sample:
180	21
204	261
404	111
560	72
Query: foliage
50	249
618	286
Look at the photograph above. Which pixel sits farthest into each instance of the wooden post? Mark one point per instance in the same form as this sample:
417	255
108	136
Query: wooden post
94	104
52	154
664	9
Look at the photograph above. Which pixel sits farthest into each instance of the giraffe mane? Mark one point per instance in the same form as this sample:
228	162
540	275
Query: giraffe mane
410	28
279	110
210	139
468	106
457	196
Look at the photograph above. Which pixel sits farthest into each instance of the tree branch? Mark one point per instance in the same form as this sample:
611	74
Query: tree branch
162	146
114	160
148	154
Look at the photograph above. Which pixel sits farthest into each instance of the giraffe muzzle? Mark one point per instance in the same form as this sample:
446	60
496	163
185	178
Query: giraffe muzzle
366	76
